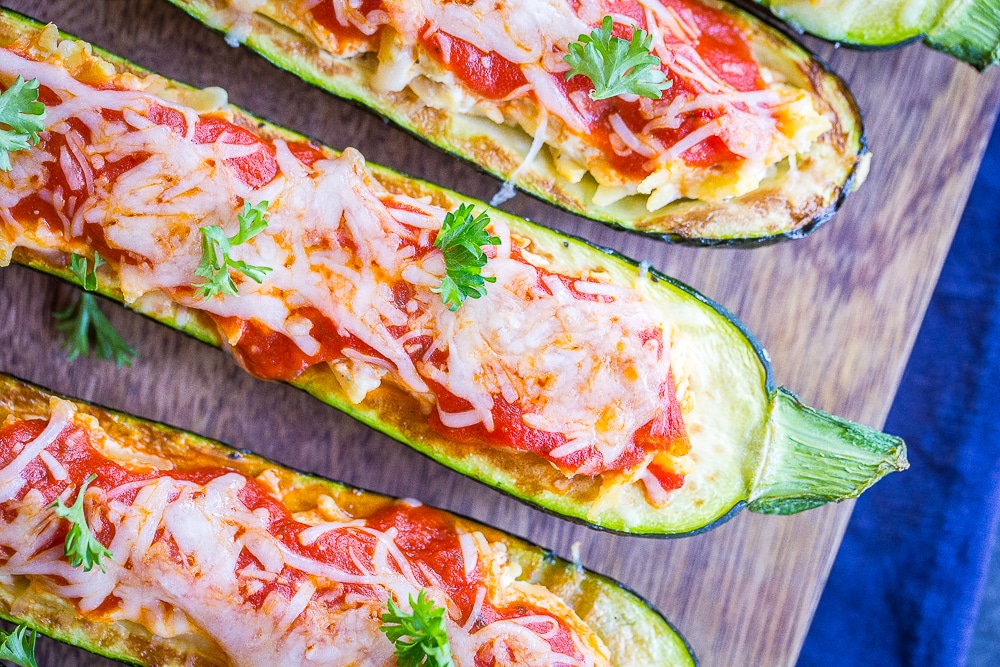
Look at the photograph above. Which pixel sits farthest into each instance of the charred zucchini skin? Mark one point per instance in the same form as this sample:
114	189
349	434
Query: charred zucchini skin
596	596
968	30
773	213
738	413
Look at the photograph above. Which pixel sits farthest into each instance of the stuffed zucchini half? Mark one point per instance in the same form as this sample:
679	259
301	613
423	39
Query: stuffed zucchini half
577	380
966	29
218	557
754	140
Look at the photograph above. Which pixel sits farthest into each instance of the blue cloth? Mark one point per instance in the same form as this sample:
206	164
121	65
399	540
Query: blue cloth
906	585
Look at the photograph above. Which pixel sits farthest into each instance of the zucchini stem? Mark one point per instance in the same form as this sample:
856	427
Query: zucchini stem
812	458
969	31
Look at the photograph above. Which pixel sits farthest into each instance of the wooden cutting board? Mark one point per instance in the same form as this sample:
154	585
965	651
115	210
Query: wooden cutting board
838	312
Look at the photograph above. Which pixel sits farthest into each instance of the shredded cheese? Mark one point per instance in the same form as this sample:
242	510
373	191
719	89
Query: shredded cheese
538	141
179	550
576	364
533	35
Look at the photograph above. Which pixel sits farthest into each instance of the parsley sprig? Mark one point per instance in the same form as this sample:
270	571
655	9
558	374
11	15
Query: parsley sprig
18	646
215	249
420	638
21	116
81	547
461	239
617	66
83	321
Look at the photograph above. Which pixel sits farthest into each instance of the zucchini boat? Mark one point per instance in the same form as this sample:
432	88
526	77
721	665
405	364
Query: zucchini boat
581	382
966	29
220	557
755	140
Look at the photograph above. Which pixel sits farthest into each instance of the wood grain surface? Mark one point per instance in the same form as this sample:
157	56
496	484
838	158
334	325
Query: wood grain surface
838	312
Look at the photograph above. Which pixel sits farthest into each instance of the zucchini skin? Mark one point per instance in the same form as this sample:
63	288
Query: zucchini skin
596	595
968	30
773	213
741	362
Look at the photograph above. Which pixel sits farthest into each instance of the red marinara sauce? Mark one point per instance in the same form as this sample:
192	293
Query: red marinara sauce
347	33
487	73
256	169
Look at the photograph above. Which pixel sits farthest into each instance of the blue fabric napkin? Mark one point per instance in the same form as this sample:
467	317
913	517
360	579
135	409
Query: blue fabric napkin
907	582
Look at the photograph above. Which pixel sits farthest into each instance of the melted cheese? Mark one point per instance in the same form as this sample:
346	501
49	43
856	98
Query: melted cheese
175	568
534	34
584	369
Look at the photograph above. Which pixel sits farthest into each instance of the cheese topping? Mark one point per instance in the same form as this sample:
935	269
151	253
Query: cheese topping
723	127
211	552
578	364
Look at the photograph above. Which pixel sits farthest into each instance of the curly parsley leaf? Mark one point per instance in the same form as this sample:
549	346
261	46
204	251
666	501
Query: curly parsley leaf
461	240
84	322
21	116
81	547
617	66
86	276
18	646
215	253
420	638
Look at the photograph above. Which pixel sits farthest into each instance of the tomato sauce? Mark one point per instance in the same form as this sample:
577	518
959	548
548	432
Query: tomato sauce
349	35
256	169
274	356
669	479
558	637
722	45
488	74
41	210
164	116
34	208
46	95
567	281
429	539
306	153
666	432
598	115
265	353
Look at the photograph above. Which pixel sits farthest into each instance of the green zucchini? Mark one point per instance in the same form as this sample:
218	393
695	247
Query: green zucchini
966	29
796	197
753	444
604	604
